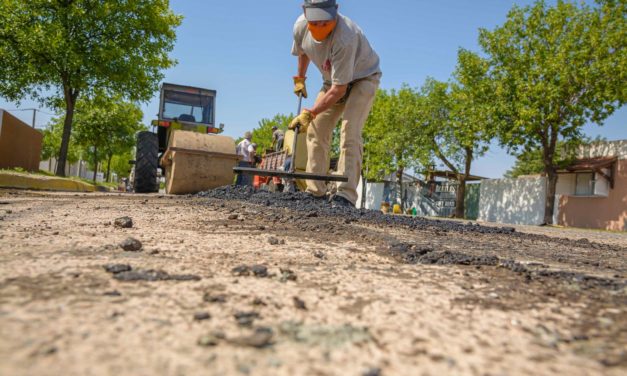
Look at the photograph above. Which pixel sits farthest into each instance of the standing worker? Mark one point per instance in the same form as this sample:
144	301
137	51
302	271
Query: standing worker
243	151
254	158
351	74
277	138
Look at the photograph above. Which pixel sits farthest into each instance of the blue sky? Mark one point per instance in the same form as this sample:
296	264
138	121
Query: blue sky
242	50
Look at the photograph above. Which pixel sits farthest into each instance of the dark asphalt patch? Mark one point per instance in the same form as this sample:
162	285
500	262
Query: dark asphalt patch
126	273
307	204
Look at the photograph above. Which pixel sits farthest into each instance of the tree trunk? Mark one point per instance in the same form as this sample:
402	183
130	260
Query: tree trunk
549	207
461	198
70	101
95	163
460	205
549	142
109	168
400	183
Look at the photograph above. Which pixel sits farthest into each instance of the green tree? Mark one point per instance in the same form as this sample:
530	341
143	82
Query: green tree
106	127
556	68
57	50
530	161
335	140
262	135
52	142
390	135
378	162
120	164
125	121
456	126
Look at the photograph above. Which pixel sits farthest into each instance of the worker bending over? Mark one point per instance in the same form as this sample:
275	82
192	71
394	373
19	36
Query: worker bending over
351	74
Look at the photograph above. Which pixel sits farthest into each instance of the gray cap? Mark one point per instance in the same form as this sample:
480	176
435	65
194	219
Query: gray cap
248	135
320	10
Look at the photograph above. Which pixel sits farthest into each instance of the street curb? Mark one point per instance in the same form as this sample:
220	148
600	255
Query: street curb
44	183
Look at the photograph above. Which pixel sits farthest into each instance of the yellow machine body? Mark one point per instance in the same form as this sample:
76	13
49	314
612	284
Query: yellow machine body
195	162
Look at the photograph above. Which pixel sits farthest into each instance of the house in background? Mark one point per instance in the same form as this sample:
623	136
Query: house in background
590	193
593	190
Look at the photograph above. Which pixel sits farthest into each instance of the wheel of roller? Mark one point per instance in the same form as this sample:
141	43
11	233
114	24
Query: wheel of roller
146	163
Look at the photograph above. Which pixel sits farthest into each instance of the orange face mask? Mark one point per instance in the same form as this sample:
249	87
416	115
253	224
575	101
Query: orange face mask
321	33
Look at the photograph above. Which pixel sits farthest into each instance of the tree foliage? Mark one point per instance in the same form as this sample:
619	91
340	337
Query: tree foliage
52	142
56	51
106	127
120	164
456	126
530	162
391	134
262	135
556	68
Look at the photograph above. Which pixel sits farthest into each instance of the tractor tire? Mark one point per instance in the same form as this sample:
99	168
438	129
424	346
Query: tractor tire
146	163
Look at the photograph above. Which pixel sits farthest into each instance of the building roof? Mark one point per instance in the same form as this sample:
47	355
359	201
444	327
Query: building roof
453	176
594	165
591	164
406	178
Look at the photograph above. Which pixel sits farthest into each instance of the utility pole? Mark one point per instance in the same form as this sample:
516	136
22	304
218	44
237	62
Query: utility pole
34	114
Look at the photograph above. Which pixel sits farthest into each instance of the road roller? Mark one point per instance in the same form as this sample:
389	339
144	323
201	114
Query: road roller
187	145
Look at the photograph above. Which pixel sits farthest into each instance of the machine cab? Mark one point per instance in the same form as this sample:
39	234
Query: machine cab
185	108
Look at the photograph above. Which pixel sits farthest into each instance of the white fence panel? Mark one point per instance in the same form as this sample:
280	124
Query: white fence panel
514	201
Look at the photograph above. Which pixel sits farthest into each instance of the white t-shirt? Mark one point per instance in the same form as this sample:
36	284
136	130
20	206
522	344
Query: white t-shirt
345	56
243	150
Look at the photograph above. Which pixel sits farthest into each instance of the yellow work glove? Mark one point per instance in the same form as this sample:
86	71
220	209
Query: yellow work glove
304	119
299	86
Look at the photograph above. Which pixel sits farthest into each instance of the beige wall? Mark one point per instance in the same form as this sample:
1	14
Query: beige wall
20	144
609	213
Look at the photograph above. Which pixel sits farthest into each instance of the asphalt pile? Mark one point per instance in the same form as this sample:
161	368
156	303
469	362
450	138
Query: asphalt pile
320	207
411	254
314	207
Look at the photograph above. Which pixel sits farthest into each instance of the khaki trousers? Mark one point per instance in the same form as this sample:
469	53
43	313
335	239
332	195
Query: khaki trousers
354	113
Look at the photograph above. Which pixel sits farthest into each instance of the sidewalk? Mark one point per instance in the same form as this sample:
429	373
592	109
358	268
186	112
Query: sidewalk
11	179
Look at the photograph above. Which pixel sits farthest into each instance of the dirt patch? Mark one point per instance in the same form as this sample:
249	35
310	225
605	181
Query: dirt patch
280	290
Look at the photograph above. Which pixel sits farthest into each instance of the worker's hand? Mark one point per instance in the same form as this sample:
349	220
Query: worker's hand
304	119
299	86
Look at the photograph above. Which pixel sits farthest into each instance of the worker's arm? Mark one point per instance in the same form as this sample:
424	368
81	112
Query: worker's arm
323	103
331	97
303	65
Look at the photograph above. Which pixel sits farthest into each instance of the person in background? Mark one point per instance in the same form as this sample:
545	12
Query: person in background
252	152
243	152
277	138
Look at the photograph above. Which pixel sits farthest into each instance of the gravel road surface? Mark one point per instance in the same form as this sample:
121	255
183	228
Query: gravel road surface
231	282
